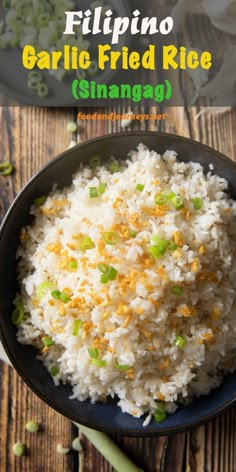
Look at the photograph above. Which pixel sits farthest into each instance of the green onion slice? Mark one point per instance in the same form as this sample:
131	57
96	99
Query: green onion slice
171	246
93	192
140	187
47	341
6	168
73	265
197	203
93	352
109	273
86	243
160	243
160	413
19	449
103	268
34	75
109	276
56	294
92	70
54	371
178	202
154	252
60	296
168	194
177	291
40	292
64	297
77	326
98	362
122	367
95	161
102	188
133	233
111	238
32	426
39	201
180	342
42	90
160	199
18	314
114	167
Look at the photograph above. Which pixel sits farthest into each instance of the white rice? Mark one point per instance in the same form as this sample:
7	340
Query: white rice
135	319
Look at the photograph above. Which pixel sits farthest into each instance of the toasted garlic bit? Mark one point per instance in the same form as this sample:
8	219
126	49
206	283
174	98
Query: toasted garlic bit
195	267
202	250
215	314
178	239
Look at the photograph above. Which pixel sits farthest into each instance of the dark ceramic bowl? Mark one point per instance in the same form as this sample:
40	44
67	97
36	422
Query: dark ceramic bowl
107	416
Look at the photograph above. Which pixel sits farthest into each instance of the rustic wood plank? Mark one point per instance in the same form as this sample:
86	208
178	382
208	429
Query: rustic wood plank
29	138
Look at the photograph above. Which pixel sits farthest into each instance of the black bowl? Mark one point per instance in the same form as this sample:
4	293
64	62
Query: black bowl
107	416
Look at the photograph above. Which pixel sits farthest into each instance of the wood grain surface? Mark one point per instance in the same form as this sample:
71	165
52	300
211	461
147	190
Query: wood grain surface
30	137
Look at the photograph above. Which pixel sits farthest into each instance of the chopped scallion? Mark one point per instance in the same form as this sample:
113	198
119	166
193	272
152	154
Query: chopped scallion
122	367
177	291
140	187
47	341
77	326
180	342
178	202
93	192
6	168
19	449
154	252
197	203
109	273
35	75
54	371
18	314
72	265
133	233
40	292
109	276
93	352
56	294
160	199
160	243
93	68
103	268
111	238
114	167
32	426
86	243
95	161
98	362
71	127
62	450
102	188
159	414
171	246
39	201
60	296
64	297
42	90
168	194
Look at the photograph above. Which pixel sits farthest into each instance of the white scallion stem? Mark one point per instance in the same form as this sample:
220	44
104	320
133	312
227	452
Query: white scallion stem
109	450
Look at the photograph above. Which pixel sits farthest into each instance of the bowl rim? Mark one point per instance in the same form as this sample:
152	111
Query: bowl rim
164	431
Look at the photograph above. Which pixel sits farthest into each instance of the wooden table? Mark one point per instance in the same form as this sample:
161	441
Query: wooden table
29	138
